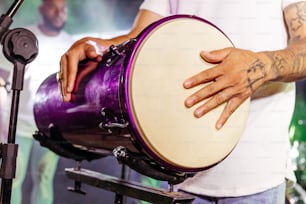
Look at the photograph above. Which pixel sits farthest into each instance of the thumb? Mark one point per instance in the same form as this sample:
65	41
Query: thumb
215	56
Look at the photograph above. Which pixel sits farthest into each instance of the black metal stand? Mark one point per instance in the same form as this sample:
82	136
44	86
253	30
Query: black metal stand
123	187
20	48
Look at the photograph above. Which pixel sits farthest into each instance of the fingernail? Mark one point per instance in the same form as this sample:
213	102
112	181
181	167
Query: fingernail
219	125
198	113
189	102
64	97
69	88
205	52
188	83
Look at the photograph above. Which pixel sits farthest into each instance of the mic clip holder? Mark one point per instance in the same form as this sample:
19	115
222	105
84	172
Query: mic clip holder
20	47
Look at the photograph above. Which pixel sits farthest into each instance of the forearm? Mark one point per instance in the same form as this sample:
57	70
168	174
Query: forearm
119	39
289	64
143	19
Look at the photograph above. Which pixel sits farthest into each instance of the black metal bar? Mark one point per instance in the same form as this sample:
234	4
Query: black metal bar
7	19
128	188
14	7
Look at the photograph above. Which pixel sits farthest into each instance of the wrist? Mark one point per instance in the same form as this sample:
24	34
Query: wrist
274	64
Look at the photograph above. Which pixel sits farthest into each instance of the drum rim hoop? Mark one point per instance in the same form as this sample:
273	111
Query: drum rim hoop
129	108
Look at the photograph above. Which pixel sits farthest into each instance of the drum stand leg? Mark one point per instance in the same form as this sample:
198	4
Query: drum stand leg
119	198
77	188
128	188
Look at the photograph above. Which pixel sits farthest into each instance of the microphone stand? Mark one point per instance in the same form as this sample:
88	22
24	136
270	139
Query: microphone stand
20	48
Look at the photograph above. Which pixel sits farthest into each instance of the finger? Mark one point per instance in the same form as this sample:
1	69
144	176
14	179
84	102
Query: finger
72	66
218	99
59	81
212	73
206	92
211	104
62	78
73	57
208	75
70	61
205	76
88	68
215	56
231	106
63	71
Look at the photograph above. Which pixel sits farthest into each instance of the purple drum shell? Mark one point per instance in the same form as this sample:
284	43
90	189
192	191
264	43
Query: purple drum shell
79	120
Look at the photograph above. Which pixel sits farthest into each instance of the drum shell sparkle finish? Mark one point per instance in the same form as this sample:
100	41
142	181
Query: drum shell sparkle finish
80	121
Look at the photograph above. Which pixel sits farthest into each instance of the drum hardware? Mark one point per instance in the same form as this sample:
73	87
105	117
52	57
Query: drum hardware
119	198
59	145
111	123
144	166
128	188
77	188
115	52
77	184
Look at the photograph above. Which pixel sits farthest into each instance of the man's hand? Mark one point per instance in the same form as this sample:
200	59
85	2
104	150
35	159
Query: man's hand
236	75
86	48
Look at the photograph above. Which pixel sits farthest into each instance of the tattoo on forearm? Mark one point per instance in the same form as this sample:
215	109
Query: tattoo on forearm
279	62
256	72
290	64
297	19
287	63
301	10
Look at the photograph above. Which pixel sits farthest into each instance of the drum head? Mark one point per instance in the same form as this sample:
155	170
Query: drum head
165	56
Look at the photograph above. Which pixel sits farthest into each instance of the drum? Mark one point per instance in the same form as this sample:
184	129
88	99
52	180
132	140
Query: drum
134	99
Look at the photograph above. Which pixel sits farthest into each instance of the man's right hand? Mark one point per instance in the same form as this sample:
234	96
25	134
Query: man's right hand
86	48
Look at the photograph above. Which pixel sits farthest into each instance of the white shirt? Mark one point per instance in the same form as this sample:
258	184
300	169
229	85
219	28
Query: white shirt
3	101
259	161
